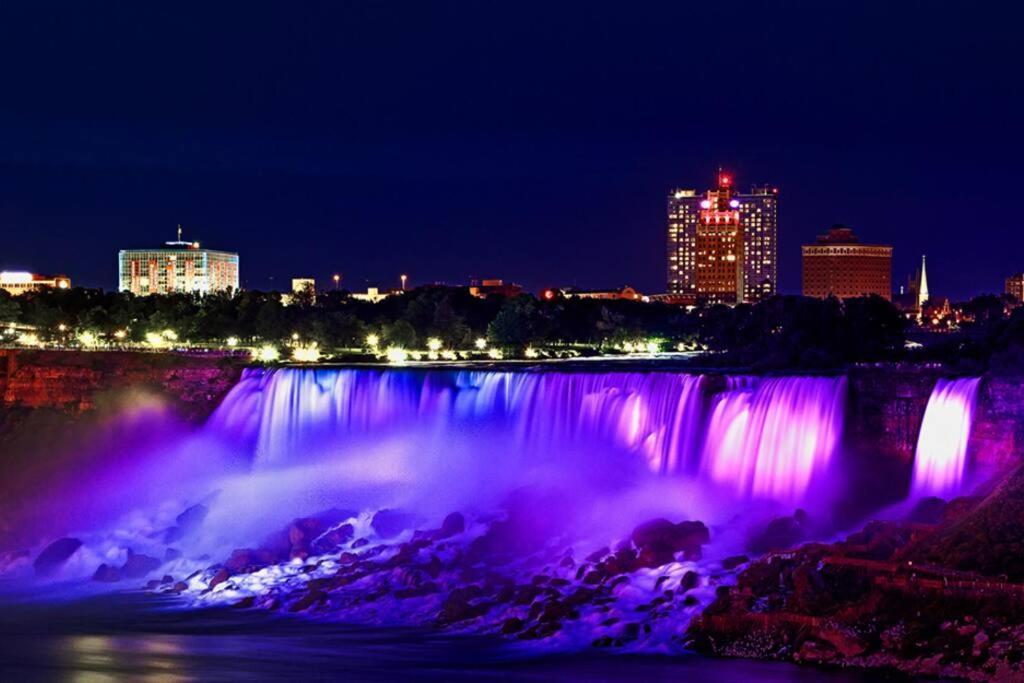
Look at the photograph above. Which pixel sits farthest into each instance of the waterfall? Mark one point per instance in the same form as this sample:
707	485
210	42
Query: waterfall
940	461
774	438
760	437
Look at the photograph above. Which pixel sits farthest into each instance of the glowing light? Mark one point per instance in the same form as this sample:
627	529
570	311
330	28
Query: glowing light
295	336
531	352
705	204
652	347
15	277
415	355
448	354
480	343
170	335
120	334
306	354
724	180
28	339
396	354
434	344
734	203
267	354
88	339
232	341
372	340
62	327
495	354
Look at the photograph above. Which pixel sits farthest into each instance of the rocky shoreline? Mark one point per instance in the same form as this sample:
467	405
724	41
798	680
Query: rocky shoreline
937	595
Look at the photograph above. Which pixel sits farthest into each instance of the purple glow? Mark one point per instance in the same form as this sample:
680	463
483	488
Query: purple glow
774	440
940	461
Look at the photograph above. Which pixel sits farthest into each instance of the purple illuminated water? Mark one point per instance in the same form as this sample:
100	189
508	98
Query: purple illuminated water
940	462
761	438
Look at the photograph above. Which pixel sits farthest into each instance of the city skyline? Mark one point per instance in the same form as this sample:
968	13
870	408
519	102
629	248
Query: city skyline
367	143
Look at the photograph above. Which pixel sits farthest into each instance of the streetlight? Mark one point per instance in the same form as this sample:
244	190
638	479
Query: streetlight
404	278
337	280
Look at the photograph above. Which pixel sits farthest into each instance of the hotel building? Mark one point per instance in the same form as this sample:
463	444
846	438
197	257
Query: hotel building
722	244
179	267
838	265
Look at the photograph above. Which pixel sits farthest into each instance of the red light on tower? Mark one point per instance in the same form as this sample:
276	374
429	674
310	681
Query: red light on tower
548	294
724	180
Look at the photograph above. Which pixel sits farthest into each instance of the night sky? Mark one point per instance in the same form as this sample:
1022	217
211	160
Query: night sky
533	142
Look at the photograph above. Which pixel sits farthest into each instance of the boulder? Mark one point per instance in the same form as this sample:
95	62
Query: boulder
107	574
658	540
781	533
137	566
452	525
390	523
55	555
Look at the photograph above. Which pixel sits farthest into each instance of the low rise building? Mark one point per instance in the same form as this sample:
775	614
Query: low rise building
18	282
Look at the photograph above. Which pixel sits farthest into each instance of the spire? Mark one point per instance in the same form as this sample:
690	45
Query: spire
922	285
179	232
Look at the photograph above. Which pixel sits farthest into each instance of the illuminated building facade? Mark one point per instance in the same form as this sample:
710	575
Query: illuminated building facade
706	230
839	265
1015	287
179	267
18	282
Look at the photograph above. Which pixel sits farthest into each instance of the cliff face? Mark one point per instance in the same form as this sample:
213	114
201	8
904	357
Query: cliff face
73	381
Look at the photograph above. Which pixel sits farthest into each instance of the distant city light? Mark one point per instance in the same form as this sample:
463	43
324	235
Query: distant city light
88	339
480	343
372	340
434	344
28	339
448	354
170	334
652	347
495	354
155	339
120	334
734	203
15	277
232	341
705	204
267	354
531	352
306	354
396	354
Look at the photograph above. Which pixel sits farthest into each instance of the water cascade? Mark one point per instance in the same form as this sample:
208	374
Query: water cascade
760	437
940	462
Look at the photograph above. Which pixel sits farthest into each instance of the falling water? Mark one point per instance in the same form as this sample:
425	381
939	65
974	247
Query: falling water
767	438
773	439
940	462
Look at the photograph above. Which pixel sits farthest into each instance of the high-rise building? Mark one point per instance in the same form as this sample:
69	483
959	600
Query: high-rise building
839	265
178	267
723	242
1015	287
18	282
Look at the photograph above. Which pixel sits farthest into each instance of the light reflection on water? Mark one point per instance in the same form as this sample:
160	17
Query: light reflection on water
131	636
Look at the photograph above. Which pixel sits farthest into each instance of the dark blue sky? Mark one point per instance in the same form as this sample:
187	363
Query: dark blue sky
530	141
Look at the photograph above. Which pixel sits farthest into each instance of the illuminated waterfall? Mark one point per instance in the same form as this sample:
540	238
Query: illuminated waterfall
940	461
760	437
772	439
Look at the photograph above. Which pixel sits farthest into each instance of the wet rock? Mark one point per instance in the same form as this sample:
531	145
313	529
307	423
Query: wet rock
332	538
512	625
598	554
220	577
312	598
107	574
928	511
781	533
137	566
55	555
246	602
452	525
689	581
659	540
247	560
390	523
360	542
731	563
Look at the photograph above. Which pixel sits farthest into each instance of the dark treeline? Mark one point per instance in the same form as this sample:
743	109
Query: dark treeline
786	331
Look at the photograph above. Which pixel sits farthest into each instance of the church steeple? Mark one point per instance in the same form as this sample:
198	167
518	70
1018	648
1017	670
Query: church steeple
922	286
